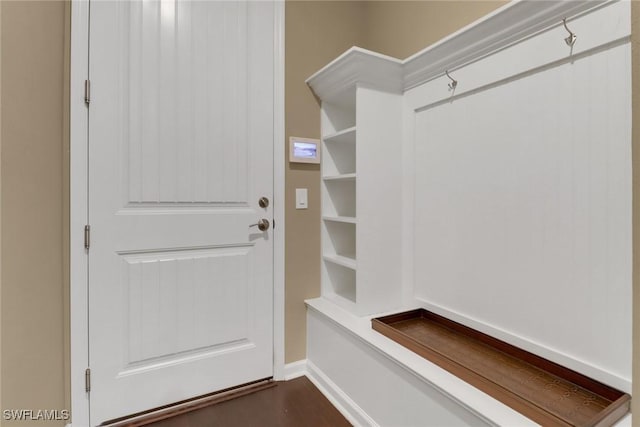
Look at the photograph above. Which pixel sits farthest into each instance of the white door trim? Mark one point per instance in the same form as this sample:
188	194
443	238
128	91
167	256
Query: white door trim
79	206
78	211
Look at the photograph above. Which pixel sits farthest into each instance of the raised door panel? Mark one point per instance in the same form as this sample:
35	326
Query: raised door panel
184	73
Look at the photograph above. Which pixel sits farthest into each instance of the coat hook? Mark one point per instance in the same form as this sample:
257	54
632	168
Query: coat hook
571	39
453	83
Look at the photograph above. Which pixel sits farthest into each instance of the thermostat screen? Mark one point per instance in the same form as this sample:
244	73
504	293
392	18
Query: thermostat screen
305	150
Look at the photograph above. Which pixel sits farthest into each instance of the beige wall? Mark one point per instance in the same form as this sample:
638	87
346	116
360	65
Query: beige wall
315	33
33	337
402	28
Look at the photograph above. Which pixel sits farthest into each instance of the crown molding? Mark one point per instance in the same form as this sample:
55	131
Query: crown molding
357	66
504	27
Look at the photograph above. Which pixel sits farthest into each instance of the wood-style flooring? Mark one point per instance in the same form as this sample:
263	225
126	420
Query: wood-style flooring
291	403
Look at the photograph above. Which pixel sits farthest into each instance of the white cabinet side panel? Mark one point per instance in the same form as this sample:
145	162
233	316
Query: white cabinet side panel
379	200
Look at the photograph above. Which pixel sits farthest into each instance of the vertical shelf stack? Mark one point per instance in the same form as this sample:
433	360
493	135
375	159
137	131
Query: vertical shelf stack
339	220
361	180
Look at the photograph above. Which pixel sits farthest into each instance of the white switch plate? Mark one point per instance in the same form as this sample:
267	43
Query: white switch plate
301	198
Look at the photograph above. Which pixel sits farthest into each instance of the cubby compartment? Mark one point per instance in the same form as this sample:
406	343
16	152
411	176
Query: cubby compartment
361	120
341	282
339	243
340	113
339	198
340	154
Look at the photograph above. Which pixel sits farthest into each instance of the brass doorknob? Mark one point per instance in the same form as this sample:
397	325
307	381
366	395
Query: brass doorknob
262	224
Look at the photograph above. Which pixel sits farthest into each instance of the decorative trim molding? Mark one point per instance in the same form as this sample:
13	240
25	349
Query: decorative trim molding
279	192
295	369
78	128
356	66
338	398
504	27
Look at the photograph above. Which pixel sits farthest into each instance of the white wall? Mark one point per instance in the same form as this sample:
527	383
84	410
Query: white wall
522	209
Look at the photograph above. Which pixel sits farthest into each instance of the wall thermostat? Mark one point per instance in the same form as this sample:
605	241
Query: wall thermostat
304	150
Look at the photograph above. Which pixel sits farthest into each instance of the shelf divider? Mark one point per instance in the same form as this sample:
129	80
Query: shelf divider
347	219
341	177
347	135
345	261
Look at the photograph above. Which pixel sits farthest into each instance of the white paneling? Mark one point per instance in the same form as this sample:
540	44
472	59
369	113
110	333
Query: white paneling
184	76
597	30
186	301
523	208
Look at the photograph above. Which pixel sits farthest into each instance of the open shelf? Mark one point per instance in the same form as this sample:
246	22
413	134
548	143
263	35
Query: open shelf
345	136
346	219
341	177
339	243
339	197
339	117
345	261
338	159
342	281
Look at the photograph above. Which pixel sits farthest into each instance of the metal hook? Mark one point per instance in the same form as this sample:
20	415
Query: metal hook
571	39
453	83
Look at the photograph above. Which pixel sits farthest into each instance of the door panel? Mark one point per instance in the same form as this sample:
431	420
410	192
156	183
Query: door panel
169	296
180	151
186	112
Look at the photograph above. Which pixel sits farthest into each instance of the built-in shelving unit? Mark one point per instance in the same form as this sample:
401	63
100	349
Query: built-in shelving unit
339	200
361	132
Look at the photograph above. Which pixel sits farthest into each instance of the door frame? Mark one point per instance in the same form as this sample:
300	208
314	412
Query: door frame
79	272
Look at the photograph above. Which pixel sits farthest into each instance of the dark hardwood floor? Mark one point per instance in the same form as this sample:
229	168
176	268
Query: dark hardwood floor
292	403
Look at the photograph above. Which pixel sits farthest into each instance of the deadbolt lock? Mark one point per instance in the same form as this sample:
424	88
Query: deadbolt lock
263	202
263	224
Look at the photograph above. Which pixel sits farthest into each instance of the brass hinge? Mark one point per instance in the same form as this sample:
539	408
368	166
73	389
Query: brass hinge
87	380
87	236
87	92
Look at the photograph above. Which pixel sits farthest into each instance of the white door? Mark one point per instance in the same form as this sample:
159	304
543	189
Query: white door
180	151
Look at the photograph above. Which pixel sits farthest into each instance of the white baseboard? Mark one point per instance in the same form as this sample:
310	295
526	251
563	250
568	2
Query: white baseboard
338	398
343	403
295	369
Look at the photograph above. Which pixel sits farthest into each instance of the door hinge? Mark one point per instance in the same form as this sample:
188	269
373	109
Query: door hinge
87	380
87	92
87	236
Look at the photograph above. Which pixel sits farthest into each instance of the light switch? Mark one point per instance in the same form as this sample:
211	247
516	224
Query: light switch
301	198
